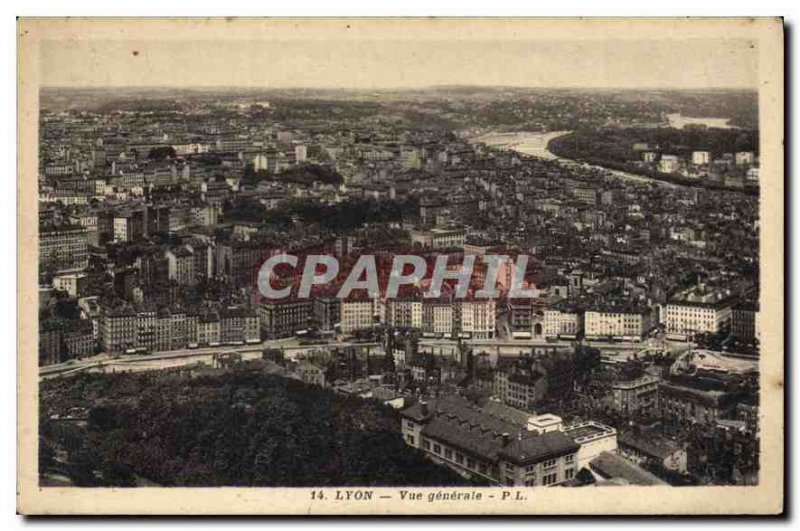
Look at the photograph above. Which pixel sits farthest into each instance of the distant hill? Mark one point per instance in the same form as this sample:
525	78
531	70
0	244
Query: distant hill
435	107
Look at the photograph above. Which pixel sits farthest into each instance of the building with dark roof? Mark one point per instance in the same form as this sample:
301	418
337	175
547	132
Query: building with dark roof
477	443
653	448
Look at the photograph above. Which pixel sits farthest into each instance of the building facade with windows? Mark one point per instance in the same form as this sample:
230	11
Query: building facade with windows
560	322
283	318
478	444
520	389
63	247
404	313
617	323
147	329
357	314
681	403
698	311
635	396
477	318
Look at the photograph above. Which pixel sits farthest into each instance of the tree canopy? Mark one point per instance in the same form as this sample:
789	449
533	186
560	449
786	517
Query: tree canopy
161	153
233	429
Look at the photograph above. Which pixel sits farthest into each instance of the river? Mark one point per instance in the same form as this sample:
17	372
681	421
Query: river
535	145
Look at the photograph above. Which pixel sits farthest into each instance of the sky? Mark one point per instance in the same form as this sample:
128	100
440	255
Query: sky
695	63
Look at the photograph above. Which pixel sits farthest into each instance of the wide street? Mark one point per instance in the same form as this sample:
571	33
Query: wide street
176	358
292	348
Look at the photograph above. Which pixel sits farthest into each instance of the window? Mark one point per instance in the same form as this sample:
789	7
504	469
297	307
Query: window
530	483
410	425
569	473
410	439
448	453
549	479
570	459
437	449
470	463
509	467
426	444
550	463
510	482
459	458
530	469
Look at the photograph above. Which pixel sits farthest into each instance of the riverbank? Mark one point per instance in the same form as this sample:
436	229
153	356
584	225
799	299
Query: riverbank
527	143
562	147
538	145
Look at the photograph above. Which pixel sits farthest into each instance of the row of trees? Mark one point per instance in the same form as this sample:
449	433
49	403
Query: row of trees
616	145
304	174
338	217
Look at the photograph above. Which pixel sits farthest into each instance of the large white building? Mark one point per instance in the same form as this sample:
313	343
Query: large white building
503	445
562	322
478	318
594	439
440	315
617	323
698	311
474	318
479	443
437	238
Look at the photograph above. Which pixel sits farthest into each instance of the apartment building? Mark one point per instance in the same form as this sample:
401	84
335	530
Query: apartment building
477	318
129	329
181	265
357	314
404	313
283	318
698	310
635	396
562	321
629	323
63	247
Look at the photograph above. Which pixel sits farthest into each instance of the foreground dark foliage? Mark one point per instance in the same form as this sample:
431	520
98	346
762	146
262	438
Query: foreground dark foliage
234	429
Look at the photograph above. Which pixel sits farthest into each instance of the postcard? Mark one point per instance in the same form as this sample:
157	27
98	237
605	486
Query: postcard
400	266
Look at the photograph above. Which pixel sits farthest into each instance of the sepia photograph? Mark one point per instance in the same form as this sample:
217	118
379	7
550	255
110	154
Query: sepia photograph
401	266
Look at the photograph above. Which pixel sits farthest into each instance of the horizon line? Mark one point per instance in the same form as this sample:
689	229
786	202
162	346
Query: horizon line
380	89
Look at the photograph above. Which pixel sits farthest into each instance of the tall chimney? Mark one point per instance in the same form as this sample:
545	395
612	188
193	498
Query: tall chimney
424	408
